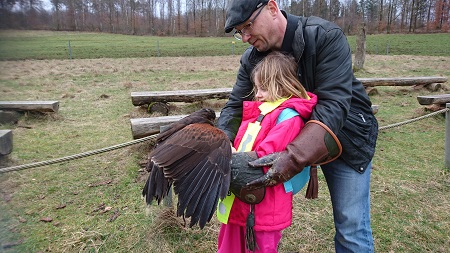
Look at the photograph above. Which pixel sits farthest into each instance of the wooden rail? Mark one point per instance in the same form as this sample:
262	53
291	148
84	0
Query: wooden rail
40	106
402	81
189	96
434	99
142	127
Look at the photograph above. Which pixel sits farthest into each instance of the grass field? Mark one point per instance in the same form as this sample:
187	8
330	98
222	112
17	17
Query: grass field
41	45
94	203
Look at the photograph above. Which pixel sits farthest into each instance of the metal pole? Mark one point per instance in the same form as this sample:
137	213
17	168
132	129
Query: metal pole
388	47
447	137
70	51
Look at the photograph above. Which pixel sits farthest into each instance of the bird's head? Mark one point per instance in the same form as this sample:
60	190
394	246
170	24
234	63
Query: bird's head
206	113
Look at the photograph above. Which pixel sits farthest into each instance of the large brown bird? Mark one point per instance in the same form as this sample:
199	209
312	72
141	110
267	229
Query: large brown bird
194	156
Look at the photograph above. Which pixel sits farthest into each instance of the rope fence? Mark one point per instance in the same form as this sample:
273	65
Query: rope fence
77	156
153	138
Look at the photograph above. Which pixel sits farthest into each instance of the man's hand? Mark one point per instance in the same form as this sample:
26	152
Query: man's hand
275	174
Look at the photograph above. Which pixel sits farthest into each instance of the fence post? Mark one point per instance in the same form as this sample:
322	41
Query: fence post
70	51
447	137
232	47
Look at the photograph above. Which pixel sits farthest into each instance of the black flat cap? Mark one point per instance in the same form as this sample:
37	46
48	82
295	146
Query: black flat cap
238	11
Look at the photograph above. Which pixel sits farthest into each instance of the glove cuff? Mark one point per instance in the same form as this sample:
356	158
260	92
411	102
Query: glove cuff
315	145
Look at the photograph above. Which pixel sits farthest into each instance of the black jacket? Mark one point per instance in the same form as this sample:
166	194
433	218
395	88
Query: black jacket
325	68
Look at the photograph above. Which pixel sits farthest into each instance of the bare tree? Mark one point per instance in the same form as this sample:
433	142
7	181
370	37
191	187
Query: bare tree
57	4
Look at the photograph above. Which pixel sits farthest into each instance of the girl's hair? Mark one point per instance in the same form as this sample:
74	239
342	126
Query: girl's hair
277	74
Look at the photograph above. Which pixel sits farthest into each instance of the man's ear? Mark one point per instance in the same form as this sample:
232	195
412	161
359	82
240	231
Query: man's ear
273	7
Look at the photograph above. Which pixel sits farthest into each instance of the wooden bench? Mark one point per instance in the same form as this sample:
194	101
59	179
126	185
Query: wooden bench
402	81
159	99
39	106
188	96
440	100
6	142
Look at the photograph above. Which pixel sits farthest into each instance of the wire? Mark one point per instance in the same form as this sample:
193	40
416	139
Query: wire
77	156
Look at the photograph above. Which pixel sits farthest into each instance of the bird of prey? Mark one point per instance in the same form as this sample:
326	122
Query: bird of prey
194	156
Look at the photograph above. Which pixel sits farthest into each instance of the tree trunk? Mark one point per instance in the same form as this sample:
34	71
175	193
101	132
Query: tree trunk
360	54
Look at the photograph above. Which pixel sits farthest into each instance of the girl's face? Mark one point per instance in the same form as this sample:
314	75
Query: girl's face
261	94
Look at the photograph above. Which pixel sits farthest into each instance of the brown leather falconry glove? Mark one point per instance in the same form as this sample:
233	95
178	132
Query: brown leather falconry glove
315	145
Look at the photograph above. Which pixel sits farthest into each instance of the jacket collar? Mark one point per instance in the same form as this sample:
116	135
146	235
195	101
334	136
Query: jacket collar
298	41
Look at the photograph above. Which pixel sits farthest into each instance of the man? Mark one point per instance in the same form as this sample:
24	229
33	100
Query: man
342	118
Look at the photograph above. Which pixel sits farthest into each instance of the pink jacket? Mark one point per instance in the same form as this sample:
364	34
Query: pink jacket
275	211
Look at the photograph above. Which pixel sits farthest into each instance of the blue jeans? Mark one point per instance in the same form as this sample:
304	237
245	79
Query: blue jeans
350	197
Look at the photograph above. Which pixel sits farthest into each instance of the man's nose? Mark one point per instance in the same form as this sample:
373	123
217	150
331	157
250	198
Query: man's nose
245	37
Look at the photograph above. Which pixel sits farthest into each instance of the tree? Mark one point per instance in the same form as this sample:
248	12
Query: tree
335	9
320	9
441	15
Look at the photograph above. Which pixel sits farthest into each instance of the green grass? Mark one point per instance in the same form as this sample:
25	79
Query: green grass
95	202
20	45
406	44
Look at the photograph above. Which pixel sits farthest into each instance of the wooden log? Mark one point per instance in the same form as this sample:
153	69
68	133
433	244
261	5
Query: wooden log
40	106
6	142
141	127
9	117
188	96
434	99
402	81
433	86
372	91
162	108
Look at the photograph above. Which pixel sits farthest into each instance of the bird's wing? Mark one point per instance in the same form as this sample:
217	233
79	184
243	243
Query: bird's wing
197	160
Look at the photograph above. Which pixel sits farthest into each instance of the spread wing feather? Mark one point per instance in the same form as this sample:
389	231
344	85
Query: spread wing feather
195	157
206	203
189	192
157	186
195	206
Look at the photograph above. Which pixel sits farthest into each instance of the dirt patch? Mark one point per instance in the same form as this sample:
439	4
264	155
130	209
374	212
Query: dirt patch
26	70
381	65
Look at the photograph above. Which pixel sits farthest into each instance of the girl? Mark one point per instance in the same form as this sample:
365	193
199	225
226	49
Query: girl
282	106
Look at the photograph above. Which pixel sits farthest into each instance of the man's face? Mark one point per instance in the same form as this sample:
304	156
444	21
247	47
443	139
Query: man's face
254	30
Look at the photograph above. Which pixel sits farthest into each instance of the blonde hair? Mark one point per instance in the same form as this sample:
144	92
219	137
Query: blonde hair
277	74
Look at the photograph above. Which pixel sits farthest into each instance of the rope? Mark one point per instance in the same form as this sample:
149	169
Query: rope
153	137
414	120
77	156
